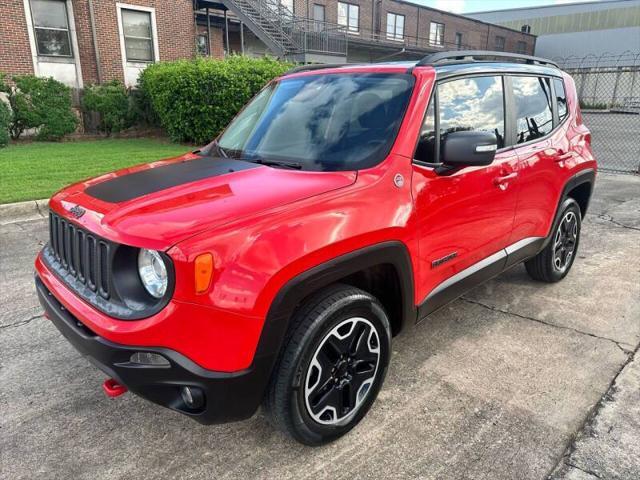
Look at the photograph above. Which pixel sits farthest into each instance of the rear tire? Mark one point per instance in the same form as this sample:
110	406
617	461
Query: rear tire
554	262
332	365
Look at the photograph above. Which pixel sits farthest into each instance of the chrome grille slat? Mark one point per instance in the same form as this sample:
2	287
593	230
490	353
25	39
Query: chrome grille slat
81	254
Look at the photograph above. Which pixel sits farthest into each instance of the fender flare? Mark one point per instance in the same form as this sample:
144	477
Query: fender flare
301	286
588	175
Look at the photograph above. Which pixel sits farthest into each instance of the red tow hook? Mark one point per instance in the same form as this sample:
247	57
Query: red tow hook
112	388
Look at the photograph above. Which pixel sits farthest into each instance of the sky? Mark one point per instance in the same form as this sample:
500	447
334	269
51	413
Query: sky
464	6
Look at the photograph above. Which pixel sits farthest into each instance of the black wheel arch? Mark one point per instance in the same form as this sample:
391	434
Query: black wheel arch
579	187
392	253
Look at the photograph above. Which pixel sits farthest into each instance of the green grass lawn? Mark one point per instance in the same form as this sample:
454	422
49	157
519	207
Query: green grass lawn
30	171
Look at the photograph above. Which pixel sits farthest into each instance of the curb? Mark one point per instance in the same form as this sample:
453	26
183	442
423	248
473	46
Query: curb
23	211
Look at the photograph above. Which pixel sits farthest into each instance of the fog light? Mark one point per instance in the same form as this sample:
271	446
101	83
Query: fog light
192	397
149	358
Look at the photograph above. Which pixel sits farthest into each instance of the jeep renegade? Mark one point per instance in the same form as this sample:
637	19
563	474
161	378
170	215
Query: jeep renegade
342	205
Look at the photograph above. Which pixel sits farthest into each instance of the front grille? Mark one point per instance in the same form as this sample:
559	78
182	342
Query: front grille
81	254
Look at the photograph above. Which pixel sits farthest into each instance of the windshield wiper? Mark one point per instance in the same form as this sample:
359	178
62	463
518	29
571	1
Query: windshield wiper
221	150
277	163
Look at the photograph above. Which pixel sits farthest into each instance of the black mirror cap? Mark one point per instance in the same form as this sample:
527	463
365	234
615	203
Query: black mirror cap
469	148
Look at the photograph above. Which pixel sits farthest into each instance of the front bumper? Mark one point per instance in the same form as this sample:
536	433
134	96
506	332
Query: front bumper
228	396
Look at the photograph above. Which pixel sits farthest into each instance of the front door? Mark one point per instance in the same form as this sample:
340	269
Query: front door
464	218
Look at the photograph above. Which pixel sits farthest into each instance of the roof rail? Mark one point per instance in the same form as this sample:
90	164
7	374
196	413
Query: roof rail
474	55
315	66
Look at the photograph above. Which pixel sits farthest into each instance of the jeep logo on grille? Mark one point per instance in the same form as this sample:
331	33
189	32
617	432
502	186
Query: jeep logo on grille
77	211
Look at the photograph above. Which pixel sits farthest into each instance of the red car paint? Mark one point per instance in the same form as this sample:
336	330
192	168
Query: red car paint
265	226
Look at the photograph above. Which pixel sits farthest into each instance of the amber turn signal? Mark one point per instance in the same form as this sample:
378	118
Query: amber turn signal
203	272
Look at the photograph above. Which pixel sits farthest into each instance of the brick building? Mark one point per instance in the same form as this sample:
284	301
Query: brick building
90	41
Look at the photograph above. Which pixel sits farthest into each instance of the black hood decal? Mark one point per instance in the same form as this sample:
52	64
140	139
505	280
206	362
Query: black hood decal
138	184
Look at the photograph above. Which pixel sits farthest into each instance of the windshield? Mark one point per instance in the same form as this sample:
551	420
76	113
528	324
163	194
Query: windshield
321	122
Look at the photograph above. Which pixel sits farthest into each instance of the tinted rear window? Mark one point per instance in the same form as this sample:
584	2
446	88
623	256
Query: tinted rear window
561	98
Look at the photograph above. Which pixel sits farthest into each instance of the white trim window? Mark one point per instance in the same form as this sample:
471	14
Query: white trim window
436	34
138	39
395	26
137	32
51	27
349	16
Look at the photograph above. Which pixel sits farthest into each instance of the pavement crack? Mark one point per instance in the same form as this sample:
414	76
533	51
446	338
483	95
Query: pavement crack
543	322
607	397
608	218
588	472
38	209
21	322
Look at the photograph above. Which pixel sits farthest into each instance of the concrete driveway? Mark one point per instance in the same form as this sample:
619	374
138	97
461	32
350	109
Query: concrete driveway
517	380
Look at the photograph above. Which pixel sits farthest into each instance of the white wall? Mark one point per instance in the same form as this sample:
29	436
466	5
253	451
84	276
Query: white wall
595	42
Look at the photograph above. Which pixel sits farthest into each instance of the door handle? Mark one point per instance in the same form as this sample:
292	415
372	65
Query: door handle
503	180
561	157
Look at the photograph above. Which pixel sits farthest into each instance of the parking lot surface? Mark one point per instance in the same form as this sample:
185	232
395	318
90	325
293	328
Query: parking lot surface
517	379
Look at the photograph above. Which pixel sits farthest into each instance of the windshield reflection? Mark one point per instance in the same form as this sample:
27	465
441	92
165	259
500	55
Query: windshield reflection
322	122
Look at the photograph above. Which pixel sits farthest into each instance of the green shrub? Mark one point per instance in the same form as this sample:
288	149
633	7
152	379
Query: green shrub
5	120
111	101
142	112
196	99
40	103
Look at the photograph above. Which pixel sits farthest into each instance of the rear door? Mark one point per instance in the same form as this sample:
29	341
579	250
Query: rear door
543	151
464	217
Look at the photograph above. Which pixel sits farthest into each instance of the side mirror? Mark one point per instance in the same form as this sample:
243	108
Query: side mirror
469	149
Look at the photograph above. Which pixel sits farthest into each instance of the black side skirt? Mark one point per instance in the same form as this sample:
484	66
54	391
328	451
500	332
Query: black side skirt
478	273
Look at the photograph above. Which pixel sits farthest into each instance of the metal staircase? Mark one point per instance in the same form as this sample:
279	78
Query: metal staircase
267	19
287	36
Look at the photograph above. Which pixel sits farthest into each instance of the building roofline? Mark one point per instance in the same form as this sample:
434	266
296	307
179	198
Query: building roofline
465	17
542	7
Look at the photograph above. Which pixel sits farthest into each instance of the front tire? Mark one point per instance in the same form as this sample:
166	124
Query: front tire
332	366
554	262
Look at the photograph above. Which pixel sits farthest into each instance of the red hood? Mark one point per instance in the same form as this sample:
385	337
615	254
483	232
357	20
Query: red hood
162	218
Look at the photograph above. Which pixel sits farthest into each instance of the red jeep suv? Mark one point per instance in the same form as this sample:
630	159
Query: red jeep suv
341	205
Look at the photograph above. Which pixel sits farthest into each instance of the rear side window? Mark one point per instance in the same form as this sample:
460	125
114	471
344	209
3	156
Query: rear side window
534	118
475	103
561	98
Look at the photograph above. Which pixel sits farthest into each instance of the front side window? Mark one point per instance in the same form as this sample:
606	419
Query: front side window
395	26
561	98
534	118
138	35
321	122
51	28
473	104
499	45
349	16
436	34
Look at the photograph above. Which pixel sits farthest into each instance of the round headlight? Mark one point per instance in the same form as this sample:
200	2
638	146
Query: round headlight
153	272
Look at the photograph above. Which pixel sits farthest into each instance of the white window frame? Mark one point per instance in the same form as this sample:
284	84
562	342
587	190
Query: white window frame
36	59
393	35
349	7
434	41
154	34
504	43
